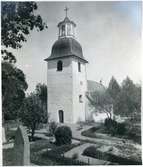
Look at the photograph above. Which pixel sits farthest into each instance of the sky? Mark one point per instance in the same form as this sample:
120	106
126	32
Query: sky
109	33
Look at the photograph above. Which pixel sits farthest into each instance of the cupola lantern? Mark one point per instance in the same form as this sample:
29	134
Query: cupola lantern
66	27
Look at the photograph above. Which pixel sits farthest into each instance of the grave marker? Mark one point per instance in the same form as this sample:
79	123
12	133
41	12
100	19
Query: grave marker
21	147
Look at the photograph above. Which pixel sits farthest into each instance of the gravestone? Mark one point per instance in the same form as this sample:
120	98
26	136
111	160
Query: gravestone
21	147
3	135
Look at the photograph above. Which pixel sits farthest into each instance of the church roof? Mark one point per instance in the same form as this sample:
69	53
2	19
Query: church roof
93	86
66	20
65	47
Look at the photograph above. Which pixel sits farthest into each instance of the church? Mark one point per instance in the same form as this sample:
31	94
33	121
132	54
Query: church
66	77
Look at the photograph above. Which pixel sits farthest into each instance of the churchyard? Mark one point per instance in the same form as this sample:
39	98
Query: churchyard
50	115
90	146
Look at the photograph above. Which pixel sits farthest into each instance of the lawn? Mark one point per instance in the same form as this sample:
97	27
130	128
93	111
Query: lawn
36	155
94	152
45	153
133	133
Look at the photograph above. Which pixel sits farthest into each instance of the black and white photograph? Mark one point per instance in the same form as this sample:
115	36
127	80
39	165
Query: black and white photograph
71	83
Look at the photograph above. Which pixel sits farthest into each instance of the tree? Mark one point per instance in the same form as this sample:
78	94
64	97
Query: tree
102	102
31	113
41	92
129	99
17	20
14	86
113	88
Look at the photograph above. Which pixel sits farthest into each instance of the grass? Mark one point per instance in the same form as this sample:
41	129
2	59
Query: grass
48	157
35	155
57	155
53	156
133	134
8	157
61	149
93	152
38	159
41	144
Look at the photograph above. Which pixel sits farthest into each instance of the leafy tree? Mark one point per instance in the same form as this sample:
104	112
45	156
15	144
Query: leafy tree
102	102
17	20
137	98
113	88
31	113
41	92
13	89
129	99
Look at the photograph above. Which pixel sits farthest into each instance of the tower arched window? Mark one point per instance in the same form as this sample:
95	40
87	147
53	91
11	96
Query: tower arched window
79	67
80	99
59	65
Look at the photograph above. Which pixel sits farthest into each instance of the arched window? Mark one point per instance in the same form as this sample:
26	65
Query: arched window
80	99
61	116
79	67
59	65
63	29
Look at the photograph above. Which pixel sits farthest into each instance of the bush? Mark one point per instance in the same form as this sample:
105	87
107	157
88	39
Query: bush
63	135
52	127
114	128
121	129
110	123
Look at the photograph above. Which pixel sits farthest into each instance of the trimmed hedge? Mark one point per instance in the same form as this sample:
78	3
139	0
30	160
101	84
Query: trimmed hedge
63	135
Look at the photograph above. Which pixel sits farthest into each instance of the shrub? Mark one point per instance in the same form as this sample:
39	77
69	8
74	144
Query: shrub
115	128
63	135
121	129
52	127
110	123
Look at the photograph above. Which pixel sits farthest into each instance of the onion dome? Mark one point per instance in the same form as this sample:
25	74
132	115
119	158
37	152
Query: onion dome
65	47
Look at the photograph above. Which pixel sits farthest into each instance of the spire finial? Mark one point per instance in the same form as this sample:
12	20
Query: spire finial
66	10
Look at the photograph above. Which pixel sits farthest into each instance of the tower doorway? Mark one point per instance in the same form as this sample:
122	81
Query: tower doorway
61	116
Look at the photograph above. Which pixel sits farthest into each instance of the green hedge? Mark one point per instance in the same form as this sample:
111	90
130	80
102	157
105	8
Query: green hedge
63	135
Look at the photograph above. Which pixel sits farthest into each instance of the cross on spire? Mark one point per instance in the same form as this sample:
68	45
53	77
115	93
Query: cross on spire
66	10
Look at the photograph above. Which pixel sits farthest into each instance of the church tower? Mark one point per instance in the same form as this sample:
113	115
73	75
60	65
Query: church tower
66	77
